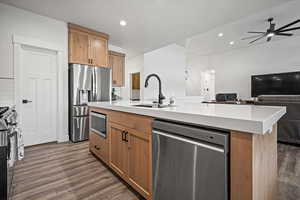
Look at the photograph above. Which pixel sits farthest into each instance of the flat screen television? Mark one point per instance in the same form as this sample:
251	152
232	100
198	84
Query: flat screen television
276	84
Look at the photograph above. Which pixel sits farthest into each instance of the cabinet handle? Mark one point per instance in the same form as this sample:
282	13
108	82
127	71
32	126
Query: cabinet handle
123	135
96	147
125	139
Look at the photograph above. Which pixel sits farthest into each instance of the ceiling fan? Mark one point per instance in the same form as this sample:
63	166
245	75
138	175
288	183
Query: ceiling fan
271	31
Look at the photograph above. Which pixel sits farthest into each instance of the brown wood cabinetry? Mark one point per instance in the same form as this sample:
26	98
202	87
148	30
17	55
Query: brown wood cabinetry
87	46
78	47
99	146
118	150
117	64
131	150
139	170
130	157
135	81
128	148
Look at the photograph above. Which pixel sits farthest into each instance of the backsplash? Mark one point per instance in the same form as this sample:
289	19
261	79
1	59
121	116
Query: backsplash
6	90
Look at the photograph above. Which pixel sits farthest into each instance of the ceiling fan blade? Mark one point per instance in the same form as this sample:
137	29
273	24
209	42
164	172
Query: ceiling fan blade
290	29
290	24
256	32
250	37
257	39
284	34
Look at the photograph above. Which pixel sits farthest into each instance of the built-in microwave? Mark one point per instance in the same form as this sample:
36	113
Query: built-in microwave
98	123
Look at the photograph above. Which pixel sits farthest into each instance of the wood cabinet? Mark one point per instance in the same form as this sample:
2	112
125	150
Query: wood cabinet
135	81
127	149
117	64
99	146
87	46
139	170
131	150
78	47
118	150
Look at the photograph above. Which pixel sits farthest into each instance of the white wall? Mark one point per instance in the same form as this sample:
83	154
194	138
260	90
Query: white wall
234	68
169	63
27	24
132	65
274	57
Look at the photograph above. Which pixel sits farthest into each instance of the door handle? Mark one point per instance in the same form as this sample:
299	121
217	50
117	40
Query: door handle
26	101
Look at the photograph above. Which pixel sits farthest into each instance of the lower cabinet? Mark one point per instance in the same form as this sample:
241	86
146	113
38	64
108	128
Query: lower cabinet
99	146
118	150
130	157
139	163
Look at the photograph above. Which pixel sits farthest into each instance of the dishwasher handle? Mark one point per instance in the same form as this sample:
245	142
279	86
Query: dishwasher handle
197	143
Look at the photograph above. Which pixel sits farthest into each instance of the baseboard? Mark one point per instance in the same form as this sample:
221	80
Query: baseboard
63	138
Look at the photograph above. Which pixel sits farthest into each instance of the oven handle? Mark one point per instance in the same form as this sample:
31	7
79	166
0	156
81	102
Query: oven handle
8	147
10	135
98	115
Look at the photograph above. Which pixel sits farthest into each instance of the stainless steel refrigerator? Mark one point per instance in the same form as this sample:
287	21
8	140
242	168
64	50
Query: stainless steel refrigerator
86	84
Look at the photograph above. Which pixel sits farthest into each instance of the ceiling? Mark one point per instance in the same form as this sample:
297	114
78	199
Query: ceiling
150	23
209	43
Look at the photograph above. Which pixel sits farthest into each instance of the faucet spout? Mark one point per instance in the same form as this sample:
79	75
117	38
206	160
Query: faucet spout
161	97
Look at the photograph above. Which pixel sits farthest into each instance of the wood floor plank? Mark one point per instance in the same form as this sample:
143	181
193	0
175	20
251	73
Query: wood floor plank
66	171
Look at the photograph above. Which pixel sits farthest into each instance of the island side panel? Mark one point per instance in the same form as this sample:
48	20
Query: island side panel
253	166
265	166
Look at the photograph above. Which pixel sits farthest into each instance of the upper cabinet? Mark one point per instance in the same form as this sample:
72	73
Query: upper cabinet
78	47
87	46
117	64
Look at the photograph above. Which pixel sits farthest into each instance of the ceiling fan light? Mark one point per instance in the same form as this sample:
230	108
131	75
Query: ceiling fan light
270	34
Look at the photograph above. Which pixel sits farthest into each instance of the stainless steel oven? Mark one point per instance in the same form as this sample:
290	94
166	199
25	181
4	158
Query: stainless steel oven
98	123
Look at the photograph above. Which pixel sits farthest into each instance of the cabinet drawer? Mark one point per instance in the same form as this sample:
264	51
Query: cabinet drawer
137	122
99	146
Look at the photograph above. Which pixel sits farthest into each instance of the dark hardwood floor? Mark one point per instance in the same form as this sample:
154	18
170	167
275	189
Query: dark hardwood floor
66	171
69	171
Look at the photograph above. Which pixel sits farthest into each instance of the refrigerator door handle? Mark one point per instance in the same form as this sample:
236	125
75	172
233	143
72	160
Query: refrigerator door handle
93	86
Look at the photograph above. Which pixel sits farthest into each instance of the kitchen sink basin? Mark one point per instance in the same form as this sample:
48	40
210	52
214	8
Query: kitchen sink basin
150	105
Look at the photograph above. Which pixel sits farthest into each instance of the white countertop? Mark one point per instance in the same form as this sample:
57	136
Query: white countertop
245	118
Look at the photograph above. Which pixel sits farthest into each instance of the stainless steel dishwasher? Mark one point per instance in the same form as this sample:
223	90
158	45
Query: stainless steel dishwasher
189	163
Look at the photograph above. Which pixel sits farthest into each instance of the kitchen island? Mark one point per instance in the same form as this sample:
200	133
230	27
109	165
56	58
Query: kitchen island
252	132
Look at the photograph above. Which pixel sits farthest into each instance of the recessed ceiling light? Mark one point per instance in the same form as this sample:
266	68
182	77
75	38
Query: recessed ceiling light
123	23
231	43
220	34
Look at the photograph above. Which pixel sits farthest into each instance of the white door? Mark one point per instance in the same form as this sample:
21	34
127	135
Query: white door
39	89
208	85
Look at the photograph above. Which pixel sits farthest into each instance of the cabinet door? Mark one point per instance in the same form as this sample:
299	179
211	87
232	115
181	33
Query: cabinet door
78	47
98	145
118	151
139	172
118	70
98	51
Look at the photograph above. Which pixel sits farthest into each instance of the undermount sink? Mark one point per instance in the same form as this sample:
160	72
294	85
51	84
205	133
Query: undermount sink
150	105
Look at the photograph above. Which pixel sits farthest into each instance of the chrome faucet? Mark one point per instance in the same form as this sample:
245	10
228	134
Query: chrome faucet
161	97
